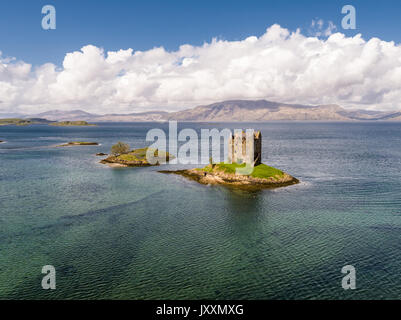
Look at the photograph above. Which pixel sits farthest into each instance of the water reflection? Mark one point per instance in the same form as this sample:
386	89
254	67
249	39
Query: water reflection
244	208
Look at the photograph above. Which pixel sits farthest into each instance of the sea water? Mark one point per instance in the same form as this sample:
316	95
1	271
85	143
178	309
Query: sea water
134	233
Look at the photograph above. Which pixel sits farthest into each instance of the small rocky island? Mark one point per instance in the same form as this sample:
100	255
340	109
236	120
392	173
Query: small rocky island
262	177
78	143
244	170
72	124
23	122
123	156
15	122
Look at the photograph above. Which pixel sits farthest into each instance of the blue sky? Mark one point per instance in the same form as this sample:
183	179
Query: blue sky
142	25
92	60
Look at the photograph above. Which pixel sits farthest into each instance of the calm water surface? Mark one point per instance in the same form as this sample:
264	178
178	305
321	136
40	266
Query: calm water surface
134	233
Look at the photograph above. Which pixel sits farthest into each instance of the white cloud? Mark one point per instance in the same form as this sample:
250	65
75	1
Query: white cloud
330	29
280	65
318	29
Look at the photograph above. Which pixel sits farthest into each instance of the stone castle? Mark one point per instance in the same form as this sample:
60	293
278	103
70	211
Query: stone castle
241	152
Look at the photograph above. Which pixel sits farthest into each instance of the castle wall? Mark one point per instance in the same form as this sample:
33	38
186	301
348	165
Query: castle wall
238	152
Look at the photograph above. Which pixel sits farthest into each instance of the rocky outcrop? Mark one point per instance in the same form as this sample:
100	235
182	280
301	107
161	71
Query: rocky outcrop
114	161
235	180
137	158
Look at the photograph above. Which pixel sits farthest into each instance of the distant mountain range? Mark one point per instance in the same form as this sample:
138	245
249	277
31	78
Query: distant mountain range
79	115
232	111
262	110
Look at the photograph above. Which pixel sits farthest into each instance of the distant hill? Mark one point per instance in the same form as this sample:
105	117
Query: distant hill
9	115
39	120
233	111
58	115
79	115
134	117
262	110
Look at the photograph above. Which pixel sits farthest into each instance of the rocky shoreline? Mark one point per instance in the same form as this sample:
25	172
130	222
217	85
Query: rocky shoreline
115	162
78	143
235	180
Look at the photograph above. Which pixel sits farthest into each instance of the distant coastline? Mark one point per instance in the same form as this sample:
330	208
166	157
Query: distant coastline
27	122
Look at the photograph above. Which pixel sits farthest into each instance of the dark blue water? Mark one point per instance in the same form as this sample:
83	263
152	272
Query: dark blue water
134	233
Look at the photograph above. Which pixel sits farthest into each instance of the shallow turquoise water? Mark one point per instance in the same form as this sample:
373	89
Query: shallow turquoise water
137	234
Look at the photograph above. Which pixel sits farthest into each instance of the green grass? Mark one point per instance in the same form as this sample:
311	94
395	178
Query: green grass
261	171
71	123
140	155
129	157
17	122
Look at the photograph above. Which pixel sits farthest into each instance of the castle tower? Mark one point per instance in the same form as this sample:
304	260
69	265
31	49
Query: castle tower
239	151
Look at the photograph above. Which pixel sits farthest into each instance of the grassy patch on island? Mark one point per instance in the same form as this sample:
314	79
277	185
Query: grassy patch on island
138	157
261	171
15	122
261	177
